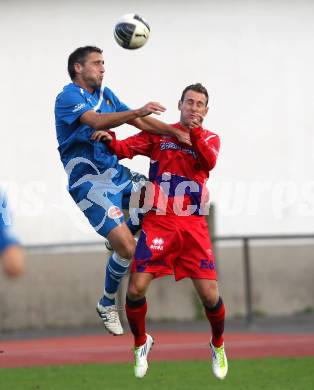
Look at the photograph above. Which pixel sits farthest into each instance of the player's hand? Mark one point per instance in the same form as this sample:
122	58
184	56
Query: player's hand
184	137
196	121
13	261
151	108
101	136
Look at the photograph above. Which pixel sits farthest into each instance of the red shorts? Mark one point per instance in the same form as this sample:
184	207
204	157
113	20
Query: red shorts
179	245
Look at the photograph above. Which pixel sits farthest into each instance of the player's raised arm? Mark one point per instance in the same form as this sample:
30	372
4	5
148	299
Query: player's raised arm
155	126
138	144
207	146
101	121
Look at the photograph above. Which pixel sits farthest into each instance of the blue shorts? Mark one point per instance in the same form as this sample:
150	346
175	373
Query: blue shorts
102	202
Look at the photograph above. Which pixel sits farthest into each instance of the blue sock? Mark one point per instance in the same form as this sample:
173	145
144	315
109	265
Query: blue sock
116	268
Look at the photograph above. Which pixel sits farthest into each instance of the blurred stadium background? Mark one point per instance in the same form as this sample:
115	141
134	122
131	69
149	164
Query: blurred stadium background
256	59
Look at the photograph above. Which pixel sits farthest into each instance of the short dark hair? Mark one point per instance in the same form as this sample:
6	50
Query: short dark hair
79	56
198	87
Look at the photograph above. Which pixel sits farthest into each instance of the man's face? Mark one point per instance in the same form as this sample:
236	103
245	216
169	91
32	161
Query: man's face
92	71
193	108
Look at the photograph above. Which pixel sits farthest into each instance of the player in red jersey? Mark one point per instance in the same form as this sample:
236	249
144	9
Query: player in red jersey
174	237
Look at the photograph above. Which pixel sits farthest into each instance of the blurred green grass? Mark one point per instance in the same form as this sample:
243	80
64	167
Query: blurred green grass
250	374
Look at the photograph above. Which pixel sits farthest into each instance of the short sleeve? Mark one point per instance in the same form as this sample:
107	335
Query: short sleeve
70	106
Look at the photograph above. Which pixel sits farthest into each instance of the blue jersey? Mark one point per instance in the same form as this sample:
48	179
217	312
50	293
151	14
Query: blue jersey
75	145
6	237
98	184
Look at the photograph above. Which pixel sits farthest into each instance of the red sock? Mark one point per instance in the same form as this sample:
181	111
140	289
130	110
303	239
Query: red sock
216	317
136	312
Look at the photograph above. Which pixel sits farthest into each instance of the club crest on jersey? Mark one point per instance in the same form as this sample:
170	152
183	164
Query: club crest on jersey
114	212
157	244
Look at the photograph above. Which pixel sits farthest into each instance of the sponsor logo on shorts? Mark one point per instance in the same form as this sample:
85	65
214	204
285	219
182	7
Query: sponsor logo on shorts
207	264
114	212
157	244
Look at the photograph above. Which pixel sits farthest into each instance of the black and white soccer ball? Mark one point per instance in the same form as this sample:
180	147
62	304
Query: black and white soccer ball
131	31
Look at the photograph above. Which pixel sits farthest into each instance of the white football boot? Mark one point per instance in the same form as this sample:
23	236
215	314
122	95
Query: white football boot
140	357
219	361
110	318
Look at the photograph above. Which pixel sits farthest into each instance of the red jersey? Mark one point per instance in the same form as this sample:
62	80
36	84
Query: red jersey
178	172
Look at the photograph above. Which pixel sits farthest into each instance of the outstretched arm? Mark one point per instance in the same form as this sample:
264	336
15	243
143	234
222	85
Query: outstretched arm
138	144
155	126
71	107
102	121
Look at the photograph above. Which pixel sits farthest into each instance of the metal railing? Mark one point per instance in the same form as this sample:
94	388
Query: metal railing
249	316
246	255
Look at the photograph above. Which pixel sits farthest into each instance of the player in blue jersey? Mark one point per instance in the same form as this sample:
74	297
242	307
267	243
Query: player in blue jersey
11	253
99	185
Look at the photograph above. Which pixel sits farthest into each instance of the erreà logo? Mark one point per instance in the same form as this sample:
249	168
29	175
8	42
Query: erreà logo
157	244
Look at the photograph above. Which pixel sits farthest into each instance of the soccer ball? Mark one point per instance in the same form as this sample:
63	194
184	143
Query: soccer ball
131	31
